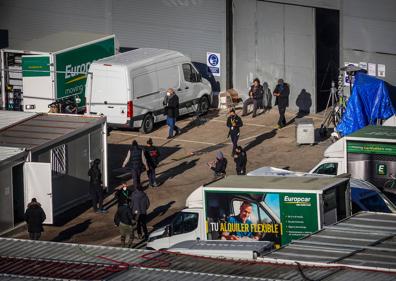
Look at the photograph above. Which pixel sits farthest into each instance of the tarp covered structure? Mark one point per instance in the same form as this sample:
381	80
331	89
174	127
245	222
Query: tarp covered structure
371	99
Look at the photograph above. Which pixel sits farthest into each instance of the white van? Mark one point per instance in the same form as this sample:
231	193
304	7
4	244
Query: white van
129	88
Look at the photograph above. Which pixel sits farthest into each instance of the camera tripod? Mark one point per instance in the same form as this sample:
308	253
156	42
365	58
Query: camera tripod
334	109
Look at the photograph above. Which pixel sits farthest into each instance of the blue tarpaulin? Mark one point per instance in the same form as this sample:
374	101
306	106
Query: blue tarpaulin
370	100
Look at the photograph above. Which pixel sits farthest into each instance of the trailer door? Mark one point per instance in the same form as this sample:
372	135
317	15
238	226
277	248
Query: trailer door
38	184
37	83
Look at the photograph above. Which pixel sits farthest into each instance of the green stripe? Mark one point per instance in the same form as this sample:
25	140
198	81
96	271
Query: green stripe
371	148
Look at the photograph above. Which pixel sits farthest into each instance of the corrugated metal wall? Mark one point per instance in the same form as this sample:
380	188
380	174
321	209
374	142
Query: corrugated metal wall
192	27
368	33
272	41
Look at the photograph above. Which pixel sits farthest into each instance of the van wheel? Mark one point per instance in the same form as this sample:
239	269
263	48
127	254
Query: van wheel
147	124
203	105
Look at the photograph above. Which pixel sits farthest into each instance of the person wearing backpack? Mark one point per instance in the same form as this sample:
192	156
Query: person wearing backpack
151	153
134	161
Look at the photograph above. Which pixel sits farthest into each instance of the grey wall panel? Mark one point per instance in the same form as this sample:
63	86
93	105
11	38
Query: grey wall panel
270	49
192	27
300	54
244	61
389	61
6	206
27	19
370	35
369	26
273	41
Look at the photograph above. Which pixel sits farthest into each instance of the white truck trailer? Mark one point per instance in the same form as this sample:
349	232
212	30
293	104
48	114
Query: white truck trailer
245	208
36	73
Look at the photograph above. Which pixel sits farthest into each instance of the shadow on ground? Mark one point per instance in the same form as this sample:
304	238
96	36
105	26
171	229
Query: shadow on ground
68	233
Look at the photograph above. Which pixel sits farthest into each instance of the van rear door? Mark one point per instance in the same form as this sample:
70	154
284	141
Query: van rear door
108	91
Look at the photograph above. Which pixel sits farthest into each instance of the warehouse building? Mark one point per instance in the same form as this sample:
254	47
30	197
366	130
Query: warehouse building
47	156
302	41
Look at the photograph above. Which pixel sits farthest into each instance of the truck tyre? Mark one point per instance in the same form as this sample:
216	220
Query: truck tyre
147	124
203	106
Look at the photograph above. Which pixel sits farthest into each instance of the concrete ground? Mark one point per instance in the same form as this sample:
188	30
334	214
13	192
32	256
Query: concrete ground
184	167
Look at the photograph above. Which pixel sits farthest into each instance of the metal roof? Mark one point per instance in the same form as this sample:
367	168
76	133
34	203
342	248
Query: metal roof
375	132
364	240
10	118
9	152
280	183
43	130
142	56
128	264
58	41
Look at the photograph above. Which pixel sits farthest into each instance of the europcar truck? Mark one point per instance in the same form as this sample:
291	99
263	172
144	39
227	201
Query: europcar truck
368	154
129	88
245	208
38	72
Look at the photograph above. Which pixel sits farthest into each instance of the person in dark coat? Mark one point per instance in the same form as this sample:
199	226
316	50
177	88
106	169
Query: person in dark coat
134	161
151	153
123	218
219	166
123	195
95	187
171	103
240	159
139	205
281	93
234	122
256	95
34	217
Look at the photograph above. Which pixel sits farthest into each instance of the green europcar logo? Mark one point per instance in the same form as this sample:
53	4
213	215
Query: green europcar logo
74	65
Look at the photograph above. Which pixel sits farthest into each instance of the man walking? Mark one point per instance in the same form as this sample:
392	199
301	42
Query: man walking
234	122
151	154
171	103
281	93
34	217
123	218
140	204
134	161
95	187
240	159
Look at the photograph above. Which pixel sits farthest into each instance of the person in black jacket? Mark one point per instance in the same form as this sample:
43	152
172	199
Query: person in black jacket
240	159
234	122
35	216
151	153
123	218
256	95
171	103
139	205
123	195
95	187
134	161
219	166
281	93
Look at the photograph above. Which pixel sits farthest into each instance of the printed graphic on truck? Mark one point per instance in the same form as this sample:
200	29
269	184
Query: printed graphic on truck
372	161
276	217
69	82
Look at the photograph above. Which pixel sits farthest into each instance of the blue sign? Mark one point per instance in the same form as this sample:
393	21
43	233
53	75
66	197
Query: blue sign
213	63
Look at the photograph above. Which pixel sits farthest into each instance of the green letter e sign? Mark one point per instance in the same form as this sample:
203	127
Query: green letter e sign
381	169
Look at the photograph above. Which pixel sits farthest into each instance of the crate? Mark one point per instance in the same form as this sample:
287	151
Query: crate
305	131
